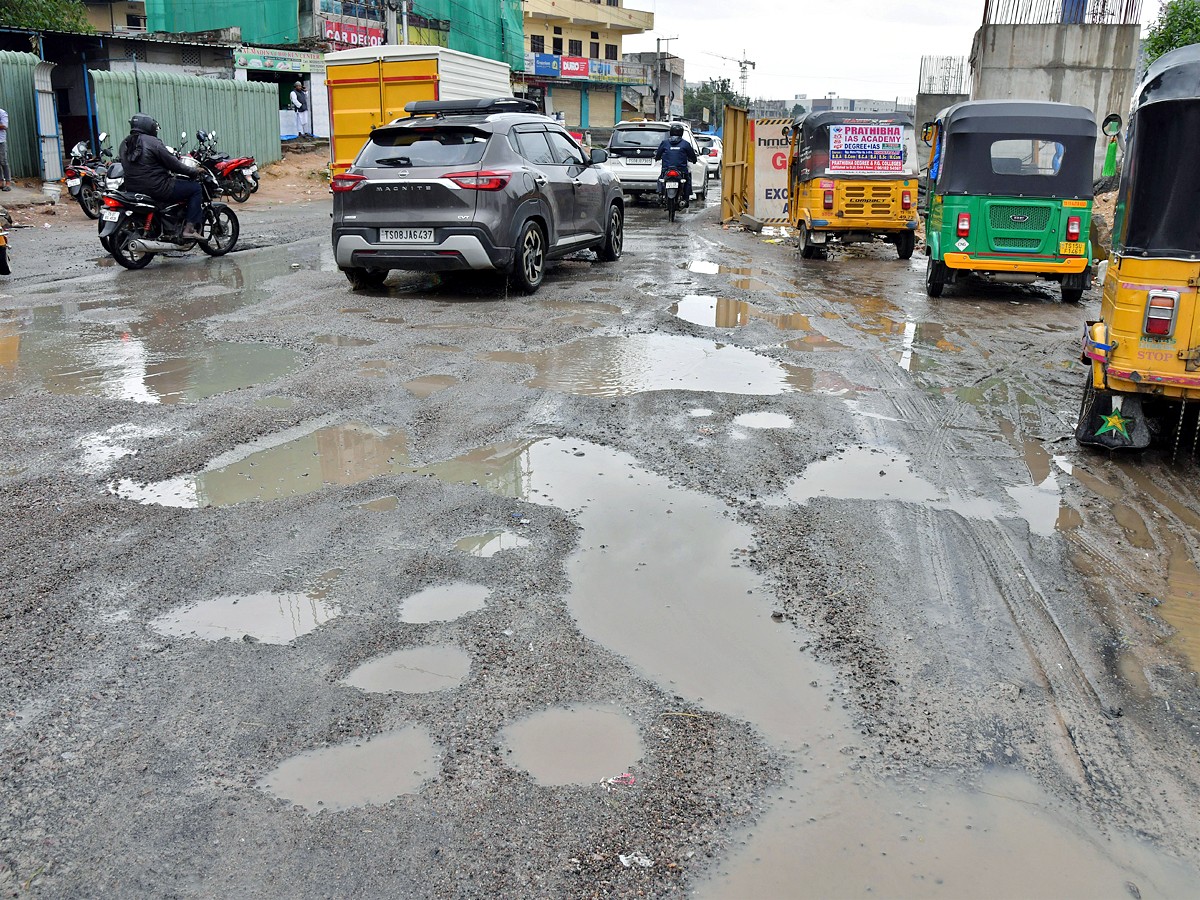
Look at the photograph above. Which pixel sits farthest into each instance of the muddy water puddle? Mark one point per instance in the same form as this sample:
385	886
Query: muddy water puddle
1181	608
763	420
428	385
443	603
617	366
342	340
721	312
267	617
573	744
334	455
490	543
367	773
419	670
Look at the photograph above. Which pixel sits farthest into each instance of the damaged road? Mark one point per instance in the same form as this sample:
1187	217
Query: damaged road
713	571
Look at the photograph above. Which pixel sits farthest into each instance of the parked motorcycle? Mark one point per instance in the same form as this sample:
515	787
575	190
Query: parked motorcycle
669	187
137	227
85	176
238	176
4	220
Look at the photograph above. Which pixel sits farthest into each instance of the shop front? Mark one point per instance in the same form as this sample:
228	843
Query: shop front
284	68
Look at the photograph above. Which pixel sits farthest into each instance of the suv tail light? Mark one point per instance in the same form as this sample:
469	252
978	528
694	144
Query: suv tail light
1073	228
906	200
964	225
829	199
1160	313
480	181
346	182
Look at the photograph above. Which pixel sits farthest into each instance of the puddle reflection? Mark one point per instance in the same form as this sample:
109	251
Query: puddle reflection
573	744
721	312
419	670
490	543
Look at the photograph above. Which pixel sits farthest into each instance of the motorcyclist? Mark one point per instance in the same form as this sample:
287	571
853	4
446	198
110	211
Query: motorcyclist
148	169
676	153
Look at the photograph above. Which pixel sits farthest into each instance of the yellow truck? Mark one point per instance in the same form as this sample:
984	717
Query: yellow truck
369	87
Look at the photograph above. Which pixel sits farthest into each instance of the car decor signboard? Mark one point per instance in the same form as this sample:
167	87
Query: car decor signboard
344	35
866	148
574	67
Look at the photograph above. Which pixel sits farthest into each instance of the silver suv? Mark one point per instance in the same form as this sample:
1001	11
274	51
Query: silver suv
473	185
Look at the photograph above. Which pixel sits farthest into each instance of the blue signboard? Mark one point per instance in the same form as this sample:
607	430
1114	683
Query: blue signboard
546	64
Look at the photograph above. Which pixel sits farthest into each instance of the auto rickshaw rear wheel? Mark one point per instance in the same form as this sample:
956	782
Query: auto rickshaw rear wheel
1072	295
807	250
906	243
935	277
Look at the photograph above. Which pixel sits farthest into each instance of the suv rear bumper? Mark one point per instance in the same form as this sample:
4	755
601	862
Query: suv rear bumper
457	249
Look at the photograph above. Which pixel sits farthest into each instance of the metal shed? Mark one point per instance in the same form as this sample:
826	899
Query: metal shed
17	99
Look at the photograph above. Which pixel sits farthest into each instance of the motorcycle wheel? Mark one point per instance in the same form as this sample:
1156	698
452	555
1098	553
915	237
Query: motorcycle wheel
118	247
89	200
672	205
237	188
4	270
223	229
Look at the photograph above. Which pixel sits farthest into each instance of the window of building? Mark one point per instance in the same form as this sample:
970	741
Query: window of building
558	46
614	2
138	22
610	52
576	48
594	50
595	35
537	43
557	30
190	56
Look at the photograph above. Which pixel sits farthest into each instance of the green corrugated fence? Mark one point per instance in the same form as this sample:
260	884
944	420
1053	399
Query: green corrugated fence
16	98
244	114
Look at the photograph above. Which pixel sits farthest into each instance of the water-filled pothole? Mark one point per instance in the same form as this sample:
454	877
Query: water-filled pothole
573	744
334	455
490	543
428	385
345	776
763	420
721	312
419	670
616	366
443	603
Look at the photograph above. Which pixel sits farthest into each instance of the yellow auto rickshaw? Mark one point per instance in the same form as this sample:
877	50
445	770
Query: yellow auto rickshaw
1144	351
852	178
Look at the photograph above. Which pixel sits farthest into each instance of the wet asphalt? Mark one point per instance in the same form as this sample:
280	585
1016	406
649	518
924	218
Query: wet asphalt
711	572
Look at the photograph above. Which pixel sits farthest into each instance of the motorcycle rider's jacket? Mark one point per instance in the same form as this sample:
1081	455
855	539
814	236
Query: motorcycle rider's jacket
676	152
148	166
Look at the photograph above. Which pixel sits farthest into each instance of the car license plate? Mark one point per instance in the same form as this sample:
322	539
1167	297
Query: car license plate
72	182
110	215
638	161
1071	248
672	185
406	235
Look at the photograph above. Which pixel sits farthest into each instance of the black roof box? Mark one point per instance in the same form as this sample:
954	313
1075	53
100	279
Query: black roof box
470	107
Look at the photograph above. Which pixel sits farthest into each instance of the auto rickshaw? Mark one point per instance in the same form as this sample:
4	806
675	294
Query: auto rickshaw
852	178
1144	351
1010	194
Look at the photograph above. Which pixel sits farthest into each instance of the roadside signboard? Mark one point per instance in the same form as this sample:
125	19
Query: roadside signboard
574	67
866	148
770	148
344	35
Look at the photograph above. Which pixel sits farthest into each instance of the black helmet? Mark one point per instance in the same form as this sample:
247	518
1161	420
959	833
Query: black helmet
144	123
676	129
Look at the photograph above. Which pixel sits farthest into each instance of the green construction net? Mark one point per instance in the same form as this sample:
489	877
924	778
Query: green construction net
494	29
262	22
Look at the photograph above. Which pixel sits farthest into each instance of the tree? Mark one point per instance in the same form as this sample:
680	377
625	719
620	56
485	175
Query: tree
712	95
1178	25
45	15
798	110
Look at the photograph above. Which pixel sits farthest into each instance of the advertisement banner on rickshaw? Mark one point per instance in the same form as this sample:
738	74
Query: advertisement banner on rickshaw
866	148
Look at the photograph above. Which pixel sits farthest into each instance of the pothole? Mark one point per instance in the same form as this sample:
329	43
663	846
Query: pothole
428	385
490	543
419	670
381	504
367	773
443	603
268	617
763	420
573	744
721	312
342	340
615	366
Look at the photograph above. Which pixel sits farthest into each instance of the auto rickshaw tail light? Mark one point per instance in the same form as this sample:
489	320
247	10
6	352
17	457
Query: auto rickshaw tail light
1073	228
906	200
829	199
1160	313
964	225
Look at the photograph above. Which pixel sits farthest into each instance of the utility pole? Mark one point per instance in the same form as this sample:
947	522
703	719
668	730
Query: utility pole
389	20
664	110
404	20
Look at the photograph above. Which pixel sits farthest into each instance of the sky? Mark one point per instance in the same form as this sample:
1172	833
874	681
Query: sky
854	48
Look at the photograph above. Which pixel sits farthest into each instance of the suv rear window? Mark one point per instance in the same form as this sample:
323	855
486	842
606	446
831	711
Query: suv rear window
639	138
414	147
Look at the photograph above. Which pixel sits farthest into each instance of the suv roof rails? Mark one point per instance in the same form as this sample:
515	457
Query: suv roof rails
470	107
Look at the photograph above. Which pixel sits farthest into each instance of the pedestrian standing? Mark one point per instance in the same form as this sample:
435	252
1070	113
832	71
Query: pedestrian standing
299	104
5	172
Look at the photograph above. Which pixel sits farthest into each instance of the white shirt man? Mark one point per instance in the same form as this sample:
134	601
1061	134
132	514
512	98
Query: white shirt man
5	173
298	101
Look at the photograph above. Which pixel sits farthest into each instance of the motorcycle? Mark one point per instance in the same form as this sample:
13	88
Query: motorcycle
137	227
85	176
669	186
4	220
238	176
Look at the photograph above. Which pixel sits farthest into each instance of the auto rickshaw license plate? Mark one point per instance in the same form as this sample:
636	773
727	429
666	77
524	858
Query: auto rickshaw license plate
1072	248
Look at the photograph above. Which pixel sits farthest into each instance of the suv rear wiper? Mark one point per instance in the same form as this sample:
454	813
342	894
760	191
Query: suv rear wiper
394	161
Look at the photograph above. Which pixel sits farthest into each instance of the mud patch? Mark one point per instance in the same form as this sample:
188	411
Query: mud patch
618	366
443	603
420	670
342	340
428	385
347	776
383	504
490	543
573	744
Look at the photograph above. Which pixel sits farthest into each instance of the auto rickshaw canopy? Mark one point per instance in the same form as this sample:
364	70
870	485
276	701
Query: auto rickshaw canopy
1015	149
1157	209
822	148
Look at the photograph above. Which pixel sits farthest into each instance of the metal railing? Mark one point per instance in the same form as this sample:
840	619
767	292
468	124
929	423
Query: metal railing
1062	12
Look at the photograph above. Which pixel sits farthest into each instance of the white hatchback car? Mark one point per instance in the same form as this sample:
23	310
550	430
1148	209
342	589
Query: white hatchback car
631	157
711	151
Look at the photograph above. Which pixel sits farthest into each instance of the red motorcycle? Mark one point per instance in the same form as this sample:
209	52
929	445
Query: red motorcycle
238	176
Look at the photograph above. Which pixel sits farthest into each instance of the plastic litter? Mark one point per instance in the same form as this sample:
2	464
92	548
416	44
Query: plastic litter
625	779
636	858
